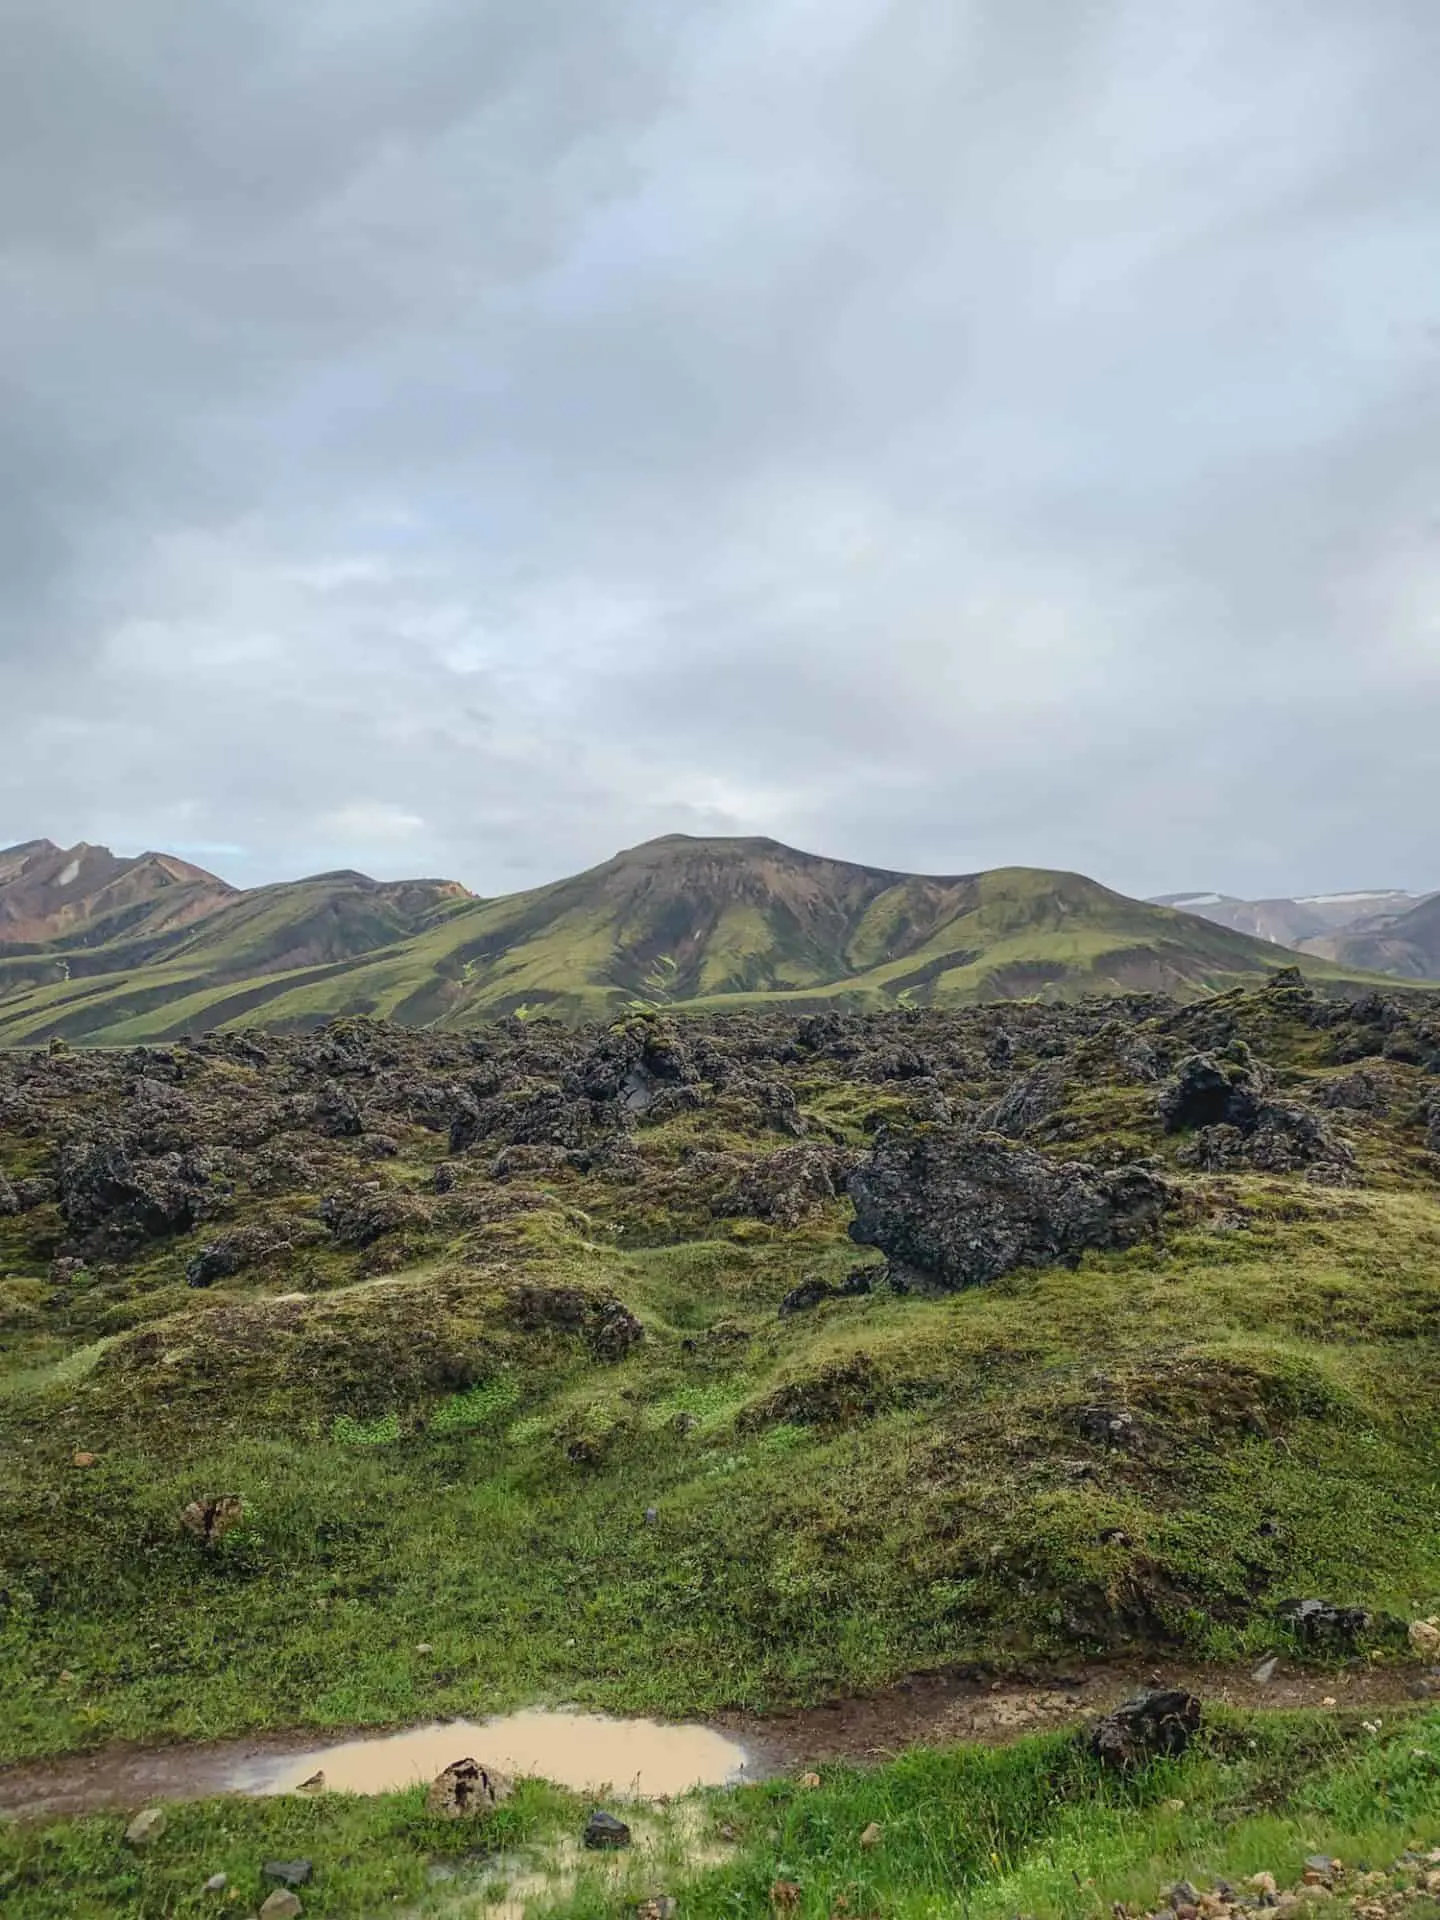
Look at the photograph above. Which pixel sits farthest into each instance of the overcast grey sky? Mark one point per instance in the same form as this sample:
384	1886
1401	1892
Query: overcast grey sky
469	436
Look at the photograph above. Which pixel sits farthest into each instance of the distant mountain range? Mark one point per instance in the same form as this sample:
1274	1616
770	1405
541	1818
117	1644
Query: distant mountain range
1378	930
107	950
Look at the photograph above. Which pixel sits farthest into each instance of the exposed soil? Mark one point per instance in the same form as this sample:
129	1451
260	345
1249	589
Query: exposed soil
926	1710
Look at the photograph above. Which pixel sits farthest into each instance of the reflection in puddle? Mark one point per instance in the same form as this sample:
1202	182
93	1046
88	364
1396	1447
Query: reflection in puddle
630	1759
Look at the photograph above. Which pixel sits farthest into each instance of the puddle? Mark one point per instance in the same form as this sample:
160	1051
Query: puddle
589	1753
628	1759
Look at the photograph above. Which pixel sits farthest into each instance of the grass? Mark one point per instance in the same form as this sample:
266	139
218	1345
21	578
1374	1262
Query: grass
880	1485
1035	1827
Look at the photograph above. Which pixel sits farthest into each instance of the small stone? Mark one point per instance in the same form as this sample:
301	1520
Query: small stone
1266	1671
810	1780
652	1516
290	1873
1184	1894
217	1883
83	1459
1425	1638
1329	1701
1173	1806
423	1646
603	1831
145	1827
1320	1863
282	1905
871	1836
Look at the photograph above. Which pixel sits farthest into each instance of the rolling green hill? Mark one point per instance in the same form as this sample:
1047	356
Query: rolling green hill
701	923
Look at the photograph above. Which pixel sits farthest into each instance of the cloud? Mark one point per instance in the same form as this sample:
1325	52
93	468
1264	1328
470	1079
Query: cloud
471	440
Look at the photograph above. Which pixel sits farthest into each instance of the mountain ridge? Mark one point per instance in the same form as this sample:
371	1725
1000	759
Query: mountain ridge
687	921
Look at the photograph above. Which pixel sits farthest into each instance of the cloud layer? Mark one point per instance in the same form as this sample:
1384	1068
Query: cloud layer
470	439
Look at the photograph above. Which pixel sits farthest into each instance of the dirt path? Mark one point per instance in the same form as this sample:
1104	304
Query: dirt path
928	1710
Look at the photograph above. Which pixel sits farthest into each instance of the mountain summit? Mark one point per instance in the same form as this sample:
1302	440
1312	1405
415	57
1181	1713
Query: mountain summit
680	921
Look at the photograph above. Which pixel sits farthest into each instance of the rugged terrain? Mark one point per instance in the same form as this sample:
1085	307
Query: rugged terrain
679	922
714	1364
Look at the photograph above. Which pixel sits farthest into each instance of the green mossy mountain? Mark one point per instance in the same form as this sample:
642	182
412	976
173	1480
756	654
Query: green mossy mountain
699	923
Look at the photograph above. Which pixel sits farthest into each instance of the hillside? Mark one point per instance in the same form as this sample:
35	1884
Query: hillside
87	896
1292	922
698	923
1406	944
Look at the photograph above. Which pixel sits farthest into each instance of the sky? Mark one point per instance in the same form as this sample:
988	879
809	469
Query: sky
467	437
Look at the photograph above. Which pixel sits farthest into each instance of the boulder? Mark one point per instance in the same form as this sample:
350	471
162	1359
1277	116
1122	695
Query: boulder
962	1209
1151	1726
466	1790
289	1873
1321	1623
605	1832
1211	1090
108	1193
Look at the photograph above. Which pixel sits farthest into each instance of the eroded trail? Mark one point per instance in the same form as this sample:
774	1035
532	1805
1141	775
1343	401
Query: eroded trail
645	1759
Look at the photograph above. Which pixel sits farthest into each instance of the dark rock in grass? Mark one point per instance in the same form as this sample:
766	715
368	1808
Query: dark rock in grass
9	1199
336	1114
965	1209
1359	1092
443	1178
289	1873
107	1193
604	1832
608	1326
1031	1101
783	1187
613	1331
1152	1726
363	1215
1212	1091
1321	1623
466	1790
808	1294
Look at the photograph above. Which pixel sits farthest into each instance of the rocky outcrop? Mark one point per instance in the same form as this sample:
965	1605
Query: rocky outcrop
1210	1090
783	1187
108	1194
963	1209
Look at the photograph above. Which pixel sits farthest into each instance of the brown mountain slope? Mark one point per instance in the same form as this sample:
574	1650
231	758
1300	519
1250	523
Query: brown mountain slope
82	894
1407	944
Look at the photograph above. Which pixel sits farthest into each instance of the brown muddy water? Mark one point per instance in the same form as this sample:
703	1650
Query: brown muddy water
590	1753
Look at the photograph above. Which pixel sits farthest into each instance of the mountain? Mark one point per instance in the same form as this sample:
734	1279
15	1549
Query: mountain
1405	943
1290	922
695	923
86	895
